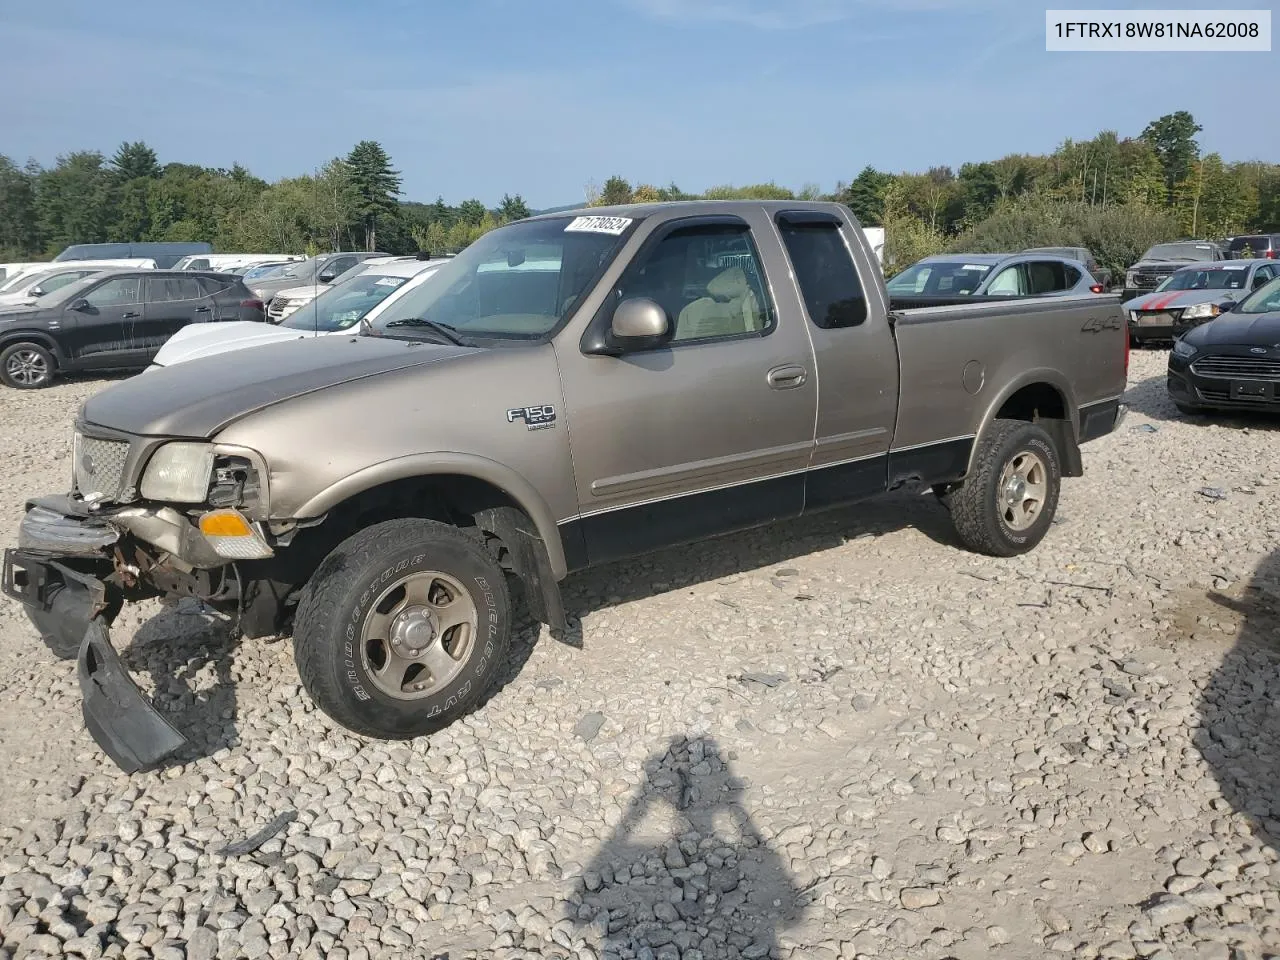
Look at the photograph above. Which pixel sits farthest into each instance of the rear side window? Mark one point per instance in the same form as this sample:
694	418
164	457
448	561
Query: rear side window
1073	276
161	289
212	285
825	273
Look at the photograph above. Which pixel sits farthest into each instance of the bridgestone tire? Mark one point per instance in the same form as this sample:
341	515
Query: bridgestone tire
976	506
339	598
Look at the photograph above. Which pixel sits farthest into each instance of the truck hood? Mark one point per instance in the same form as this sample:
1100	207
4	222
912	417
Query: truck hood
202	396
1238	329
206	339
1180	299
301	293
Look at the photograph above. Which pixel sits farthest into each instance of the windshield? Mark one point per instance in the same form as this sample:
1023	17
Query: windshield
514	283
940	278
342	307
1179	251
1227	278
69	292
1266	299
17	280
265	271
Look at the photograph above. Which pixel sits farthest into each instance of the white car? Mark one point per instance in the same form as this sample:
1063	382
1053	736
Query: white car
220	262
339	308
27	286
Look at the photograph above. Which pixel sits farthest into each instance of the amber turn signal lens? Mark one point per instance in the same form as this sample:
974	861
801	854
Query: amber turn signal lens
225	523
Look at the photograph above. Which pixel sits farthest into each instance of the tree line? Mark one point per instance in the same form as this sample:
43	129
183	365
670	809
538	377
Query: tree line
1116	196
350	203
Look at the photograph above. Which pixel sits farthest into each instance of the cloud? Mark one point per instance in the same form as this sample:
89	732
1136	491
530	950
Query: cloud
792	14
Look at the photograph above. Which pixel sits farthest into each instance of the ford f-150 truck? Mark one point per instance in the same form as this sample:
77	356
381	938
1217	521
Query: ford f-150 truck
570	390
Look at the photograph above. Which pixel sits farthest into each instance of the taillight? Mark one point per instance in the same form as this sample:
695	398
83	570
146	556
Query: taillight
253	304
1271	254
1097	288
1125	325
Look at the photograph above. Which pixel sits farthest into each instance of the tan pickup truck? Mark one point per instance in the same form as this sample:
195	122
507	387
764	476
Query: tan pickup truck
570	390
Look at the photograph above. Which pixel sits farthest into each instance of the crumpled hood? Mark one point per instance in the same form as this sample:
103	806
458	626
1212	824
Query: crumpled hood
207	339
1238	329
1181	299
202	396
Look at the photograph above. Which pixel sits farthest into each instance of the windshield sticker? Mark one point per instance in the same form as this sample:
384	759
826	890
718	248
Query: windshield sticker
610	225
1236	268
388	281
974	266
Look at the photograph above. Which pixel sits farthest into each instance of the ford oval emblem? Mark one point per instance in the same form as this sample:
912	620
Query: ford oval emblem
1257	349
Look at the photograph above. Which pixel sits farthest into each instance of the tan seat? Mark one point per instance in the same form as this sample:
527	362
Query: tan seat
730	308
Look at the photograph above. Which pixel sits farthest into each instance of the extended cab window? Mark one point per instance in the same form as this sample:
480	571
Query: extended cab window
825	272
708	279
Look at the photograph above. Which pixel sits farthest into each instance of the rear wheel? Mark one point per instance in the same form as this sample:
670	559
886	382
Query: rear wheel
1006	505
26	366
402	628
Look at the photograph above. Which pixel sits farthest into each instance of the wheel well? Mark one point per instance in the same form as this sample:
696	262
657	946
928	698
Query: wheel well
1035	401
452	499
31	336
1044	404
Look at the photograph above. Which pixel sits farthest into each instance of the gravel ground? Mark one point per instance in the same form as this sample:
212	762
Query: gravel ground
841	738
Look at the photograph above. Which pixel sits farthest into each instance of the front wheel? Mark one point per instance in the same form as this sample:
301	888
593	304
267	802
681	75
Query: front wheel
402	628
1007	503
26	366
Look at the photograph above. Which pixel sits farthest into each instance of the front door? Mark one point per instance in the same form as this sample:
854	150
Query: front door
170	303
100	333
708	433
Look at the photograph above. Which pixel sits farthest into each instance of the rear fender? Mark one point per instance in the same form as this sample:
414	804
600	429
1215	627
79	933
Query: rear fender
1063	431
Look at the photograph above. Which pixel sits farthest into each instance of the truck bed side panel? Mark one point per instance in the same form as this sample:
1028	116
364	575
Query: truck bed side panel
960	364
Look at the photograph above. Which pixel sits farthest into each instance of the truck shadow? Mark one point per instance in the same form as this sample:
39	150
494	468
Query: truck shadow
187	650
1150	398
686	868
1239	731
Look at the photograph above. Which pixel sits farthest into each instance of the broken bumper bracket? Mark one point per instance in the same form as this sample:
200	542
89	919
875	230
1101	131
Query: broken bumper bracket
128	728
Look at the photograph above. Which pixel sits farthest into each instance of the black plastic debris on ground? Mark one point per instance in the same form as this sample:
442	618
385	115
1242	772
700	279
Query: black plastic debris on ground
250	844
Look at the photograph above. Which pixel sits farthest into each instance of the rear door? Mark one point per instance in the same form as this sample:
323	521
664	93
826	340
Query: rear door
172	302
101	333
713	430
856	363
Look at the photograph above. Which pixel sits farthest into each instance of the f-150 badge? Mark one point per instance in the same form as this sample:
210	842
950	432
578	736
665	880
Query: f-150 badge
535	418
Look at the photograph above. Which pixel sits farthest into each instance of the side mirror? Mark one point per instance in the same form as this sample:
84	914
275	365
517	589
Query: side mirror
37	291
327	276
639	322
79	305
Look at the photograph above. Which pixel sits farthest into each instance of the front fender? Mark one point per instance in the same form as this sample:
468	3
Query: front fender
443	463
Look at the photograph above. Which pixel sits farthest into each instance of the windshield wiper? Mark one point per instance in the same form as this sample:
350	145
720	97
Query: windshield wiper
443	329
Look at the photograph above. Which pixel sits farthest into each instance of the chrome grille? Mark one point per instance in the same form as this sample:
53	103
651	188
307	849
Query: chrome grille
1156	318
277	308
1237	368
98	467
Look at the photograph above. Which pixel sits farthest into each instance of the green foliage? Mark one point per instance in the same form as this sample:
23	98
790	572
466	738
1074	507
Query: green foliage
374	187
1117	234
907	238
1173	137
865	195
134	161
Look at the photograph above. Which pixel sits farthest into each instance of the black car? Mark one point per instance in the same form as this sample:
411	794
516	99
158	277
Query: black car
113	320
1233	361
1164	258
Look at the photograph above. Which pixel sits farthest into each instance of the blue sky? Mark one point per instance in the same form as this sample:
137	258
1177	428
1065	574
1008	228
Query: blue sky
483	97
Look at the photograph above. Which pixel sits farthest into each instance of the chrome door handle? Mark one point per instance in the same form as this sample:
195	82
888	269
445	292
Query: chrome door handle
131	316
787	377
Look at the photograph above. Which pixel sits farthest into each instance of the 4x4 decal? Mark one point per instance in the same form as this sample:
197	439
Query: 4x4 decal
1111	321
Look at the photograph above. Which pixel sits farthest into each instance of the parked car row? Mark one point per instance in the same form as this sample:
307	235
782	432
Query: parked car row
978	275
115	319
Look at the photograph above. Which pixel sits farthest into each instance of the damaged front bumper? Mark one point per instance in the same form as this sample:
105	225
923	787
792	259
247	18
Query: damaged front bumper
59	573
